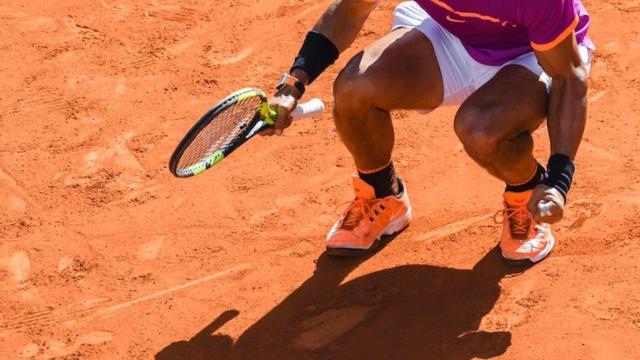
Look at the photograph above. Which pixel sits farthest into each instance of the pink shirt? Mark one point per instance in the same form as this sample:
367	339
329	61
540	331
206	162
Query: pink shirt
497	31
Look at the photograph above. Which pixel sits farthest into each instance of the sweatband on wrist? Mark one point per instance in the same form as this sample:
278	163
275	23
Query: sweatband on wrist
560	173
316	55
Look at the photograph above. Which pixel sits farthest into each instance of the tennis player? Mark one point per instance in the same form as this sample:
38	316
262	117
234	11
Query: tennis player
508	64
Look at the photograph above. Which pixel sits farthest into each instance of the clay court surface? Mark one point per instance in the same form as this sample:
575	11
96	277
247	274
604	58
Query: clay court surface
103	254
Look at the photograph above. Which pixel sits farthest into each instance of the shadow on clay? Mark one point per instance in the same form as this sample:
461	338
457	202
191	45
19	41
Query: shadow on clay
407	312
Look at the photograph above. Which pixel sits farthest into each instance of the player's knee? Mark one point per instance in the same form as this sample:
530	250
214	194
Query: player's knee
473	127
350	90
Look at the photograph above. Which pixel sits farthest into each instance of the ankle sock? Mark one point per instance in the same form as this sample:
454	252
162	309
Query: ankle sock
384	181
530	184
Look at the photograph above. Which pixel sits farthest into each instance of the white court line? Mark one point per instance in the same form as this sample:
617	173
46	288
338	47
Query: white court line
431	235
597	96
249	50
452	228
115	308
112	310
238	57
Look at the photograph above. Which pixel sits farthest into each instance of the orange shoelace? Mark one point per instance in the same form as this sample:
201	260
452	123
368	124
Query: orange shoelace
354	213
518	218
358	209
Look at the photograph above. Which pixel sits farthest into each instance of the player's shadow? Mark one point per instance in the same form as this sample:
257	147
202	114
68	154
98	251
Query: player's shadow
407	312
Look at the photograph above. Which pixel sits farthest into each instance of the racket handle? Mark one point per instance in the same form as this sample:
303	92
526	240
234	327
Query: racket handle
312	108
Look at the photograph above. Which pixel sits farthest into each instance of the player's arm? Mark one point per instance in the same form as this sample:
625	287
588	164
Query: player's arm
333	33
567	111
340	25
566	119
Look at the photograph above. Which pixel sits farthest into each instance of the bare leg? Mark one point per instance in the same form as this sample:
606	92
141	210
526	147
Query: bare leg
496	122
399	71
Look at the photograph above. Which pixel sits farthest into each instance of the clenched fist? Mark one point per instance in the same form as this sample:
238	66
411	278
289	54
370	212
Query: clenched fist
546	204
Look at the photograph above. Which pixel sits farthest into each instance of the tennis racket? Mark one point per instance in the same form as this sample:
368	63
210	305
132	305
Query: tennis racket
227	126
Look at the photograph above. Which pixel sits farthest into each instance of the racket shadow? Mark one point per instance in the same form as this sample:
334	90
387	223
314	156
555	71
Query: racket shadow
407	312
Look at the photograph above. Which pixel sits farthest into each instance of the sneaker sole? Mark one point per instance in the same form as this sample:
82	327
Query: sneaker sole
392	229
536	259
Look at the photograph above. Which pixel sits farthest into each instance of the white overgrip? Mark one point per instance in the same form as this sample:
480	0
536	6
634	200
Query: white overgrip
310	109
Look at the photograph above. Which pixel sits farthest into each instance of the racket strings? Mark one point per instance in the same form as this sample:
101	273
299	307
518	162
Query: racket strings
221	132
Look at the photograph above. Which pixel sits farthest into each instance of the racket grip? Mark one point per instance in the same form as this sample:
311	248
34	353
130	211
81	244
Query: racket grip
312	108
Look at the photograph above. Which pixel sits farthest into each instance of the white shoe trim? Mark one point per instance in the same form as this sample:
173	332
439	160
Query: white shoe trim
551	242
392	228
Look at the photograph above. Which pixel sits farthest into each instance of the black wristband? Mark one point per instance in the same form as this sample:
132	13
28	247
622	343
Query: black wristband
560	173
316	55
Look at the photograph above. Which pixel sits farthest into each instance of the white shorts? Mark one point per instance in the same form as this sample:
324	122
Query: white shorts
461	74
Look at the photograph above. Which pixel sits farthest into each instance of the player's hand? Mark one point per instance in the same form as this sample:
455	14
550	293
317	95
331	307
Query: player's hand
283	102
546	205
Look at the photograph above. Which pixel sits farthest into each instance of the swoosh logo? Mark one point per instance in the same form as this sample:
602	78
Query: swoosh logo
468	15
449	18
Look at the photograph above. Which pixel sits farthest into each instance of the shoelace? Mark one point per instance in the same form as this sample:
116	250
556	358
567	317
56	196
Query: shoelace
354	212
517	217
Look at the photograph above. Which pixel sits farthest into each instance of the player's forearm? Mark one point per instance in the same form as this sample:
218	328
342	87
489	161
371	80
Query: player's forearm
336	30
344	19
568	112
333	33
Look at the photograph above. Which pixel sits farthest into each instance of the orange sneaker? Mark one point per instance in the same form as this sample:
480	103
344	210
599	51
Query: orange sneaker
367	219
523	240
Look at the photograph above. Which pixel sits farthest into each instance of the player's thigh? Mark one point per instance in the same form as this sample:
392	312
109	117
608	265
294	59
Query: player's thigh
399	71
514	101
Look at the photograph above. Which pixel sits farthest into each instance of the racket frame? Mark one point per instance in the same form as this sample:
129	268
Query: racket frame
264	117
